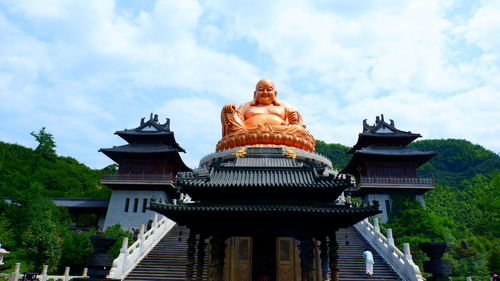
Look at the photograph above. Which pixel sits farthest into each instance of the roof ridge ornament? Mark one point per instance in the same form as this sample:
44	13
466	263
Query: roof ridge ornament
241	152
290	153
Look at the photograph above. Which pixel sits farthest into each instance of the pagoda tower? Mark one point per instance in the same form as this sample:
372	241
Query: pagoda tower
147	167
265	202
383	165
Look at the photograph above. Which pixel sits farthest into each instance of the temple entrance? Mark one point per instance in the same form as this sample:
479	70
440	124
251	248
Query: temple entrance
264	258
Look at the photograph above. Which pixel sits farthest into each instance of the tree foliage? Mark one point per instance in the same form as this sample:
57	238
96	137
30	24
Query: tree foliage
337	153
22	167
33	229
46	144
457	160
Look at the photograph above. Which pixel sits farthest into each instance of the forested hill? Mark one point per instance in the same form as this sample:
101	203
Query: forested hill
24	171
457	161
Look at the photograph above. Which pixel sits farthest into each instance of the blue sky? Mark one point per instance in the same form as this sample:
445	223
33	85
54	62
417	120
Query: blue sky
85	69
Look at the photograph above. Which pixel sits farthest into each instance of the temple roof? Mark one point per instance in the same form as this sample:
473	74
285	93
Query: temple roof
262	183
151	131
382	133
247	218
387	153
261	178
262	173
150	141
145	151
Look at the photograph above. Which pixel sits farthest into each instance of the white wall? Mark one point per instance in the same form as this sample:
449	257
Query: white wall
116	210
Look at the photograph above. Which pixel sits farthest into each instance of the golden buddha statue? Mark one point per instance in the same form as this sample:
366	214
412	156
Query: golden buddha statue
263	121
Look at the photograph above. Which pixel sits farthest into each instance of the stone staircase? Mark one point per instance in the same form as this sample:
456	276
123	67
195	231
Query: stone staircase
167	261
352	263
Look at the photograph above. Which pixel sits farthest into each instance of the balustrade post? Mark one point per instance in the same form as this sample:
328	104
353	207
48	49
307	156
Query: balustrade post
376	225
45	269
124	251
390	239
66	273
407	252
155	223
15	275
140	237
85	272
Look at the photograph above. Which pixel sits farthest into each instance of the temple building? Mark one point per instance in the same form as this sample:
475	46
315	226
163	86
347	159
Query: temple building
383	165
147	167
265	203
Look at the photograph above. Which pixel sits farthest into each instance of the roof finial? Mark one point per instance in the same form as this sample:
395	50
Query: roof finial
156	118
366	127
151	116
392	123
167	124
382	117
377	120
142	121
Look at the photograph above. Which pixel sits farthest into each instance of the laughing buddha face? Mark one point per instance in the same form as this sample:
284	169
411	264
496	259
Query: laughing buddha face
265	93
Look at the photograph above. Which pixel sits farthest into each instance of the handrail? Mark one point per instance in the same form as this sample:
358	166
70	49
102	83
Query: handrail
130	256
167	177
16	274
398	180
401	262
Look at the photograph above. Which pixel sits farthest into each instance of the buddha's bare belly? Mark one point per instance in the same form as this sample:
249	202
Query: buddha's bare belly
263	119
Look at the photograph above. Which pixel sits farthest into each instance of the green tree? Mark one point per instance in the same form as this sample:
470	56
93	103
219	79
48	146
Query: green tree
42	235
46	144
76	247
337	153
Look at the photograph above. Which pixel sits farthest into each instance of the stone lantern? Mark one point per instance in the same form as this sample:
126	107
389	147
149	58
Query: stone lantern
3	252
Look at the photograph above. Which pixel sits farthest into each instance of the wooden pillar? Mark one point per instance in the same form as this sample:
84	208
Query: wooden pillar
201	258
191	250
334	256
217	255
307	259
317	260
324	257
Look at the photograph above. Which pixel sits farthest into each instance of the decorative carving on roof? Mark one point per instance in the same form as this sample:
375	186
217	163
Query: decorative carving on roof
290	153
153	122
382	133
382	127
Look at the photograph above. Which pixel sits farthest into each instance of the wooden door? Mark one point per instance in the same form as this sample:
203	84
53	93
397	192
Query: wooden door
286	257
238	263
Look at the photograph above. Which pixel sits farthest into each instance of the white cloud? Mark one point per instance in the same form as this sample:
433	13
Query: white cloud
196	125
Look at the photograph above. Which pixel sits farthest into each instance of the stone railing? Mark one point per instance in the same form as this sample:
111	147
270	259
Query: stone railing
16	275
401	262
129	257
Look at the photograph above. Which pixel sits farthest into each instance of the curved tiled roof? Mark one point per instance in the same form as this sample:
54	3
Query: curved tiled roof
262	178
262	208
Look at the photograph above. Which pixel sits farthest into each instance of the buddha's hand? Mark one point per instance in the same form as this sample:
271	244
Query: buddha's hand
230	108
